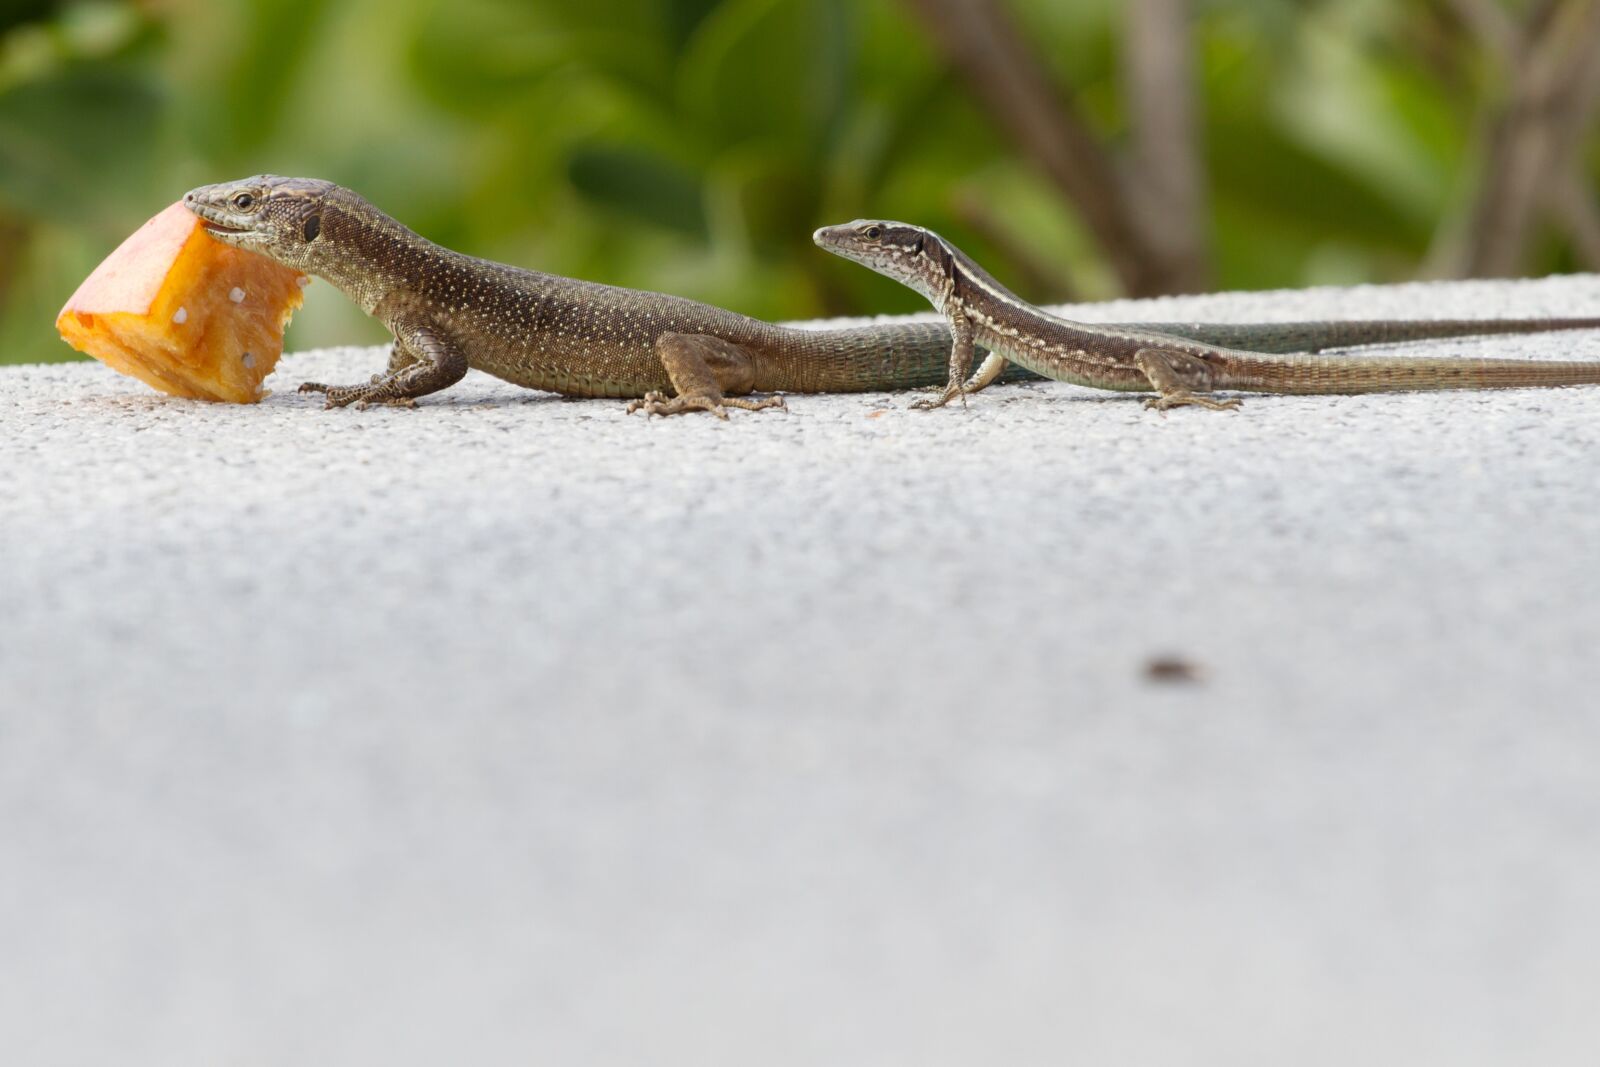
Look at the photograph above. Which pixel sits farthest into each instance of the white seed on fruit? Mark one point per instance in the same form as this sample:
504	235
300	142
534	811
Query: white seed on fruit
180	316
236	294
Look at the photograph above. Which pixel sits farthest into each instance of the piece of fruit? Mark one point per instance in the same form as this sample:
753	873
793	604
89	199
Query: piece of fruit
184	312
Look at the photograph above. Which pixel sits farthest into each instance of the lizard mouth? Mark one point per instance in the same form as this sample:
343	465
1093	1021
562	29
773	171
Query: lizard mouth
208	215
221	227
228	233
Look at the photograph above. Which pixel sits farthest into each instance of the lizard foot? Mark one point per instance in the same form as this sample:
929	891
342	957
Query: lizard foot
392	402
658	403
358	396
1167	401
950	393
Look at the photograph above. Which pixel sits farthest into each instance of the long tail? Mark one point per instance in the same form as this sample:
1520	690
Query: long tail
1316	336
1372	374
856	359
909	355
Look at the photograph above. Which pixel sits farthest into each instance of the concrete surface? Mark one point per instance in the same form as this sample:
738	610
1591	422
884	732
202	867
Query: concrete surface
514	730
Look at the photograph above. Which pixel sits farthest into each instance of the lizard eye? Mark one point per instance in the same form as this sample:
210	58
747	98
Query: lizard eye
872	233
243	201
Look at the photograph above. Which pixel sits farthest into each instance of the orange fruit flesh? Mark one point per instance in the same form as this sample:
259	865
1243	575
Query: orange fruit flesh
185	313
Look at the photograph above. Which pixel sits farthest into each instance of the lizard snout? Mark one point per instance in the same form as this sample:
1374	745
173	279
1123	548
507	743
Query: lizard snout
832	237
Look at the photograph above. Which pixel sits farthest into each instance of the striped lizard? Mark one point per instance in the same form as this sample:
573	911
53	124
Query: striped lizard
1180	371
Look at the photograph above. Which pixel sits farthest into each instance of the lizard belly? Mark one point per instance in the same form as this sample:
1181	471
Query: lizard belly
1075	366
583	367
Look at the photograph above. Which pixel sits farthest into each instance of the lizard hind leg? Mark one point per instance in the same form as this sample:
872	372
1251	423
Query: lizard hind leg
704	370
990	369
1177	377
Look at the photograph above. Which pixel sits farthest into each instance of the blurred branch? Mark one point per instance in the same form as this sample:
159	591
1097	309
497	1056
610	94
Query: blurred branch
1533	141
1543	14
1492	26
982	42
1166	167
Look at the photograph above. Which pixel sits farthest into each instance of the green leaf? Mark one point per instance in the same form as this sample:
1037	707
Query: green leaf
64	136
1296	189
757	68
20	12
634	183
274	46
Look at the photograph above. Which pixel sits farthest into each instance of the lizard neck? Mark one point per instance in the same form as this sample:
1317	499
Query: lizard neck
369	256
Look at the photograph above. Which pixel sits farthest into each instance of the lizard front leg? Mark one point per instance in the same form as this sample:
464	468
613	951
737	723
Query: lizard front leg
703	369
1177	377
423	361
961	356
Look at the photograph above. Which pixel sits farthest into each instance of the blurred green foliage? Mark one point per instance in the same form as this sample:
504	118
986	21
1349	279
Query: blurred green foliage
692	145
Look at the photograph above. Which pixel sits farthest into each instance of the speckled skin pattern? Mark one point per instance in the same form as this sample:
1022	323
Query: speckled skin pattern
984	312
450	311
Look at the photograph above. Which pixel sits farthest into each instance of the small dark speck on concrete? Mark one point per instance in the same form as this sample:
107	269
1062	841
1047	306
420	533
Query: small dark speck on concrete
1173	670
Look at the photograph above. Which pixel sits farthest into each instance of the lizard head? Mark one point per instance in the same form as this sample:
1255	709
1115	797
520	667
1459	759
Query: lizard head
909	254
280	218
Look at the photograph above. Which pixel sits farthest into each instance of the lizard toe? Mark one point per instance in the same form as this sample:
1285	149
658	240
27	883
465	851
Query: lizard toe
342	396
746	404
651	403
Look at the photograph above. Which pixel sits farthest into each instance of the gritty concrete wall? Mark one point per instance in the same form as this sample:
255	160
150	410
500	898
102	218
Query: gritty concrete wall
514	729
